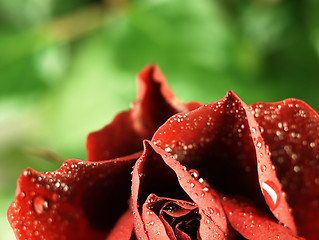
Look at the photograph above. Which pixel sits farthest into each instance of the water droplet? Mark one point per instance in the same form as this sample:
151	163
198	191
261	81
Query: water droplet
253	129
242	214
22	195
149	212
27	173
194	173
297	169
65	188
263	167
210	210
40	204
168	149
217	211
259	142
205	189
271	194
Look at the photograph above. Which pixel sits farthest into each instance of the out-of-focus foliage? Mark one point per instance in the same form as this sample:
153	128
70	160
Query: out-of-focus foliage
66	67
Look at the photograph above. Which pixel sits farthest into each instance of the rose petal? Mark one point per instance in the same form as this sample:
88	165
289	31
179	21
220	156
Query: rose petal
80	200
182	235
117	139
222	141
171	179
123	228
291	129
170	212
253	224
154	227
124	135
152	176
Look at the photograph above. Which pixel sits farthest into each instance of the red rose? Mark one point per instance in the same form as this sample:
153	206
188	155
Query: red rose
222	170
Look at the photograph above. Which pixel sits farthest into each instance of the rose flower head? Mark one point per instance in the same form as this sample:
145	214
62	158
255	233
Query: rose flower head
171	170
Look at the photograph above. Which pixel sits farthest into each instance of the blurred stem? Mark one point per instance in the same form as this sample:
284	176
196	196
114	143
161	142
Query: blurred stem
74	25
16	45
46	155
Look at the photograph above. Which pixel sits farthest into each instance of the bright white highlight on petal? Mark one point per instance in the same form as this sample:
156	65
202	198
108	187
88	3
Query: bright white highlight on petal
270	191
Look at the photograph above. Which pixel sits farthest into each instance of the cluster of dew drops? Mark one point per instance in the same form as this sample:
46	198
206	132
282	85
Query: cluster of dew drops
298	140
270	190
43	201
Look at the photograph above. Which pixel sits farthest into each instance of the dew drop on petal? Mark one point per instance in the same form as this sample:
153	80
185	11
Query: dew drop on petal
263	167
40	204
271	194
211	210
259	142
205	189
27	173
253	129
65	188
242	214
194	173
22	195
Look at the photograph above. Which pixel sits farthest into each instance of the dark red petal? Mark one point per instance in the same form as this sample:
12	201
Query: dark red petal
80	200
252	223
291	129
155	101
151	176
158	173
181	235
223	142
117	139
123	228
154	227
184	208
170	212
154	105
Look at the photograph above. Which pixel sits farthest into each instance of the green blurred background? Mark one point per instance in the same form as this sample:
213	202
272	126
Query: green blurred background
67	67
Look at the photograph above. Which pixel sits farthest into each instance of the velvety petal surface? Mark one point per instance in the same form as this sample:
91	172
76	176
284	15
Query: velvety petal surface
254	224
291	129
157	172
80	200
124	135
123	228
223	142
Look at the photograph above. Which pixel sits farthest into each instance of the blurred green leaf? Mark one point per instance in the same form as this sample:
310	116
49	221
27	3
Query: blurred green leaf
66	68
